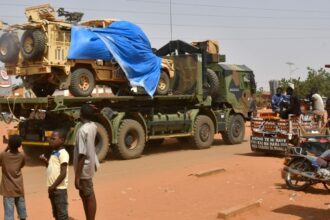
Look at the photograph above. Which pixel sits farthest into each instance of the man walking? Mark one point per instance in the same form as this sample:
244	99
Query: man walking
85	161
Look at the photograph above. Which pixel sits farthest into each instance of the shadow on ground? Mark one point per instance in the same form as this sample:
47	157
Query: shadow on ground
305	213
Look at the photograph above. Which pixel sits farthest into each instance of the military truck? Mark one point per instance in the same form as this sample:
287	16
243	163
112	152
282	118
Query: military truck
197	109
39	58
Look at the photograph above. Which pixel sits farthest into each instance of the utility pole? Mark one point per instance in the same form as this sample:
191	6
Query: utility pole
171	19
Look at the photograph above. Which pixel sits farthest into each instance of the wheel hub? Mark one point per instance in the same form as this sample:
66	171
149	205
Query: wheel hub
162	84
204	132
28	45
84	83
236	129
131	140
4	49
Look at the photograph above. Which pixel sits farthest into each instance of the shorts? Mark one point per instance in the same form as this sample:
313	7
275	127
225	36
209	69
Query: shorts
86	188
10	202
59	202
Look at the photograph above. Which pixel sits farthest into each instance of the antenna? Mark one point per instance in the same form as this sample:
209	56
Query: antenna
171	19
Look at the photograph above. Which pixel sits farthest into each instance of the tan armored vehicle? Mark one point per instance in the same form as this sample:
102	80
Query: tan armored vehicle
39	56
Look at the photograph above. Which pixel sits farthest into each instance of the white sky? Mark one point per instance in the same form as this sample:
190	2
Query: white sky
264	35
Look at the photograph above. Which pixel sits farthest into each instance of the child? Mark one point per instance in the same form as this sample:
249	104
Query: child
11	187
57	175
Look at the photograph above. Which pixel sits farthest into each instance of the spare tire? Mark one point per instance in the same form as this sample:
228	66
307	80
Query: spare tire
33	44
212	83
9	48
163	85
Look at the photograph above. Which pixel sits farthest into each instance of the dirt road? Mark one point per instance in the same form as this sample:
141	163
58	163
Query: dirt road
160	186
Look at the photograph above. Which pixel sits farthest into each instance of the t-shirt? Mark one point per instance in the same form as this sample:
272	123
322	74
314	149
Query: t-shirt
317	102
54	168
12	179
85	144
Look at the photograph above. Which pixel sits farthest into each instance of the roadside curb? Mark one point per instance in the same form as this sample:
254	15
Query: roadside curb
208	172
227	213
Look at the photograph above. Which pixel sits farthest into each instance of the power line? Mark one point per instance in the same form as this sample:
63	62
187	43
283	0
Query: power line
232	7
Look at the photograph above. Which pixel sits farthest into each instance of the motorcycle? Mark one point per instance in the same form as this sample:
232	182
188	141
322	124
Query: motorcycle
301	170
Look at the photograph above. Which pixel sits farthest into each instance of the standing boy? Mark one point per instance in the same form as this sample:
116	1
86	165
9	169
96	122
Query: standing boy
85	160
11	187
57	175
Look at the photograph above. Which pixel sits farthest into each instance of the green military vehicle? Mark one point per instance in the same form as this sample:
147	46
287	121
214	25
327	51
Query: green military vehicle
206	98
39	57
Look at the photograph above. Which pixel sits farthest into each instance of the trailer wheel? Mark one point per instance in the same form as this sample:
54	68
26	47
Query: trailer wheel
8	48
43	90
203	131
163	85
82	82
235	130
101	142
33	44
131	140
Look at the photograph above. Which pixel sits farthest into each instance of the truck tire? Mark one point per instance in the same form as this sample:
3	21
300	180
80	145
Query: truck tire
163	85
9	48
82	82
131	140
213	83
203	132
101	142
235	130
43	90
33	44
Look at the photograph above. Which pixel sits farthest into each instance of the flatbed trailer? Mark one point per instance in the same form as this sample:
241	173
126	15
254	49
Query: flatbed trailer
196	108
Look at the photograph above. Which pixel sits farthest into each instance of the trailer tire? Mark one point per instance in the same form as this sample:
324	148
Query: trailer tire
9	48
203	132
131	140
101	142
82	82
33	44
163	85
235	130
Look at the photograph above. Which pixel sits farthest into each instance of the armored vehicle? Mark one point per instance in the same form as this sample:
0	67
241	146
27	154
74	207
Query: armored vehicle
39	57
207	98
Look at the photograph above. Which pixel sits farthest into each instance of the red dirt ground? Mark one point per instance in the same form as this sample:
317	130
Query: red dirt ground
160	186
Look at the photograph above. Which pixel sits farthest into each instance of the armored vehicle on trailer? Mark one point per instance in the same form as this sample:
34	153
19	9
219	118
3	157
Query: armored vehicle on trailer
39	57
206	98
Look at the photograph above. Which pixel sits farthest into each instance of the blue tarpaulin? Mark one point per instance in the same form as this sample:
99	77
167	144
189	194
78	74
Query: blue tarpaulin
126	43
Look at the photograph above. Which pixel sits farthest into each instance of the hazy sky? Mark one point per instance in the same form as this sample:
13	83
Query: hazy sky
264	35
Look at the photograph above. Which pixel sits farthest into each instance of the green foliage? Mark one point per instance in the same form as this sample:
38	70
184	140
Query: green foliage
315	78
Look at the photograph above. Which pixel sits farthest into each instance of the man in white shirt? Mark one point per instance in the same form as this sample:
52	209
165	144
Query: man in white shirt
85	160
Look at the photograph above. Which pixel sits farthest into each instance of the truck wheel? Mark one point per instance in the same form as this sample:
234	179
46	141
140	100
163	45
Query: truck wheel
82	82
164	84
101	142
131	140
213	83
8	48
203	131
235	130
33	44
43	90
